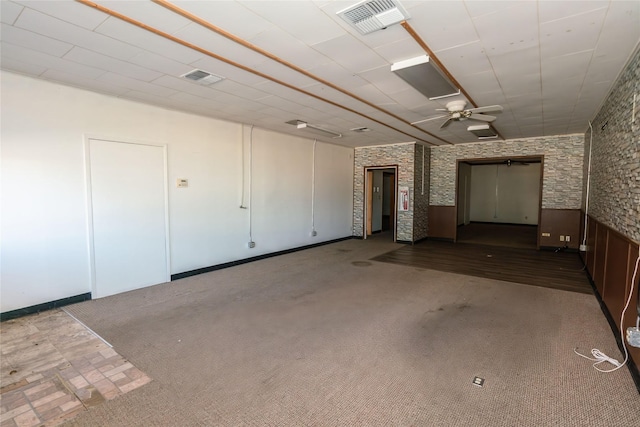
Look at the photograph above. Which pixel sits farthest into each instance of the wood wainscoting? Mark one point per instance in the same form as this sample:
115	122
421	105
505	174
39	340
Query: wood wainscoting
442	222
610	259
556	222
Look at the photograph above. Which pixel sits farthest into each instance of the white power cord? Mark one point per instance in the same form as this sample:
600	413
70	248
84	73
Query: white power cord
599	356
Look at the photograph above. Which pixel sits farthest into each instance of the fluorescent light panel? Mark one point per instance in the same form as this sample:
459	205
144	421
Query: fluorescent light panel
421	73
314	129
483	131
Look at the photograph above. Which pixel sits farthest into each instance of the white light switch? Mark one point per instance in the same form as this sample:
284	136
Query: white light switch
181	183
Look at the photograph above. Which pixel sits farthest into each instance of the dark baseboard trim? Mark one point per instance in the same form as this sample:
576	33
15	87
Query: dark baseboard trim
203	270
633	369
405	242
13	314
420	240
559	249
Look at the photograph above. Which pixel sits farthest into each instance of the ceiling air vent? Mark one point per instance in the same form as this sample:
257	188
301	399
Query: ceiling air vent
361	129
368	16
202	77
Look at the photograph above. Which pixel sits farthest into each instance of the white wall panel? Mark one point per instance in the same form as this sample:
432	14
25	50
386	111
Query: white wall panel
44	253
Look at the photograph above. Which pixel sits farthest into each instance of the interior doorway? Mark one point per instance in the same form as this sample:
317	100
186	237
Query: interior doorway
498	201
381	202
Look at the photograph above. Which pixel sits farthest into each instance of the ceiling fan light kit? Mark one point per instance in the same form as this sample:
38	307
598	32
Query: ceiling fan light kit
424	76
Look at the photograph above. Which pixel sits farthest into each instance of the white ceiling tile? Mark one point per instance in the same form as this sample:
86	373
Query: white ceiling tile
380	78
526	61
219	45
465	60
125	32
68	11
62	31
159	63
566	67
32	57
338	75
9	11
294	18
21	67
399	50
148	13
509	29
556	10
620	32
88	57
20	37
184	85
479	8
241	91
83	82
350	53
288	48
284	74
225	16
447	24
569	35
136	85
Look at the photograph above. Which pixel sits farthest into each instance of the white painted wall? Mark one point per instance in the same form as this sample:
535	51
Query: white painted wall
44	253
518	193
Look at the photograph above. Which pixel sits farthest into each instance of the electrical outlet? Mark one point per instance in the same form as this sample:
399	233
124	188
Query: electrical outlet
314	233
252	245
562	238
583	248
546	234
633	336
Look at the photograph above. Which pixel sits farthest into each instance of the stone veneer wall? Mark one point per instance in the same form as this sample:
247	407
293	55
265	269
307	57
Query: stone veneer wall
401	155
562	174
421	193
614	193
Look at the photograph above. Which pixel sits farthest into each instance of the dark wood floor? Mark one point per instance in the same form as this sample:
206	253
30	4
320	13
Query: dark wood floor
558	270
508	235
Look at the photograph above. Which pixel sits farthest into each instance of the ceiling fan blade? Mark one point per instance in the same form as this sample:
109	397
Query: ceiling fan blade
429	119
482	117
446	123
487	109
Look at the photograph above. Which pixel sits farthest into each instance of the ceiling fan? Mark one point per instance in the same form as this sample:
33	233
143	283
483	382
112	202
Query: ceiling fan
456	111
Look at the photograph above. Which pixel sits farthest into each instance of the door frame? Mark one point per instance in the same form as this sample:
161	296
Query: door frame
368	184
89	207
481	160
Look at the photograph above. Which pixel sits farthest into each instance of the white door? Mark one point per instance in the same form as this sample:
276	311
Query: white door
128	210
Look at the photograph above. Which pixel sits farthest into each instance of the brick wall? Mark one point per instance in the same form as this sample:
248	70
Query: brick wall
562	174
401	155
614	196
421	192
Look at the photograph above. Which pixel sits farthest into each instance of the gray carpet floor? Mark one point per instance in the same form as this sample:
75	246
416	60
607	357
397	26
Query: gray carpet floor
327	337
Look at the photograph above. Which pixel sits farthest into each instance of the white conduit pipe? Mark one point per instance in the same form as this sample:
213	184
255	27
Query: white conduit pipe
586	203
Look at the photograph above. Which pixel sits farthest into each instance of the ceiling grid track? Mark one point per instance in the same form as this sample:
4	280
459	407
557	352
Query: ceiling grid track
243	67
185	14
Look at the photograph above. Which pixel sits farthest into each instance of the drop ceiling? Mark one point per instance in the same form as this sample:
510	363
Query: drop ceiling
550	64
